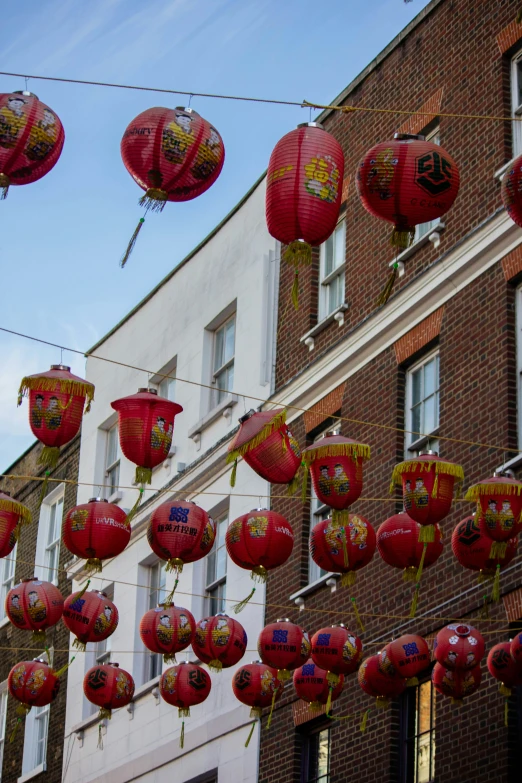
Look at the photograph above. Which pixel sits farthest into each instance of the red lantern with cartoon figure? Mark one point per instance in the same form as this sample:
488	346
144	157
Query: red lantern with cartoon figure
260	540
184	686
180	532
381	682
427	486
109	687
256	685
516	649
502	667
56	406
145	427
96	531
90	616
267	446
459	646
343	548
499	510
303	192
511	191
399	546
284	646
312	685
31	139
219	641
34	605
409	655
33	684
337	650
336	467
167	629
12	516
456	683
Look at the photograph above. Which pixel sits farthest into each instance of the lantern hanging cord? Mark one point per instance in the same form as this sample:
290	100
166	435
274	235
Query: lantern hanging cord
249	99
164	376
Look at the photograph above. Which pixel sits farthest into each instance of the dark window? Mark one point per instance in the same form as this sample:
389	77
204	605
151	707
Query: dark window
514	729
418	734
316	757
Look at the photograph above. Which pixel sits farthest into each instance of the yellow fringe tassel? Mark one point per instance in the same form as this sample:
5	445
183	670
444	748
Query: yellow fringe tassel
80	646
259	574
495	593
421	564
16	508
364	721
414	602
329	700
184	712
294	484
304	484
402	237
498	550
134	510
412	682
348	579
435	490
427	534
182	735
346	561
256	712
478	490
143	475
332	679
444	468
269	721
93	565
49	457
504	690
409	574
132	241
169	600
283	675
104	714
273	425
64	668
15	730
233	474
357	615
340	518
354	450
175	565
241	605
382	703
298	253
215	665
62	385
247	743
284	446
388	288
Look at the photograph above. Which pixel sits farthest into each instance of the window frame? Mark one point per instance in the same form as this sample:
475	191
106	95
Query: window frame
308	738
115	464
156	594
516	108
3	722
42	541
518	316
415	444
325	280
215	590
408	703
30	764
221	394
318	509
7	584
423	229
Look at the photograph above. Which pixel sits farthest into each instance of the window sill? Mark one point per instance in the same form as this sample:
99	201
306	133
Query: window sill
115	497
421	444
221	409
33	773
499	174
313	586
514	462
432	236
335	315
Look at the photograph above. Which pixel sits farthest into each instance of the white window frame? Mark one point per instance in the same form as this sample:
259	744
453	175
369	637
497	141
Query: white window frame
516	107
156	594
114	465
220	395
166	384
216	589
414	444
7	581
318	510
43	545
325	280
3	721
423	229
30	764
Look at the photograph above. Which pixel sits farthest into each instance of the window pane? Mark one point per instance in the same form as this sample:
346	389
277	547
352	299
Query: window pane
429	378
230	328
323	766
416	424
340	239
519	82
219	348
112	445
167	388
416	386
211	567
328	256
429	414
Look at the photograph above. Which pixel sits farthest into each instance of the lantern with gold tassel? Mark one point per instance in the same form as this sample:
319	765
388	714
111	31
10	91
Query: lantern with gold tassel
312	685
379	679
499	510
12	516
343	548
504	668
256	685
33	684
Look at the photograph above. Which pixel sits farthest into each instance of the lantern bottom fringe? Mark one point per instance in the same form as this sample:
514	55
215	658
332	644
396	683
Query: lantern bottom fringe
259	574
402	237
132	241
80	646
364	721
316	706
298	253
340	518
215	665
184	712
4	186
354	450
274	424
382	703
49	457
388	288
283	675
357	614
93	565
495	593
332	679
498	550
410	574
427	534
154	199
241	605
256	712
272	705
348	579
174	564
6	504
105	713
169	658
23	710
412	682
504	690
457	702
247	742
39	637
143	475
15	730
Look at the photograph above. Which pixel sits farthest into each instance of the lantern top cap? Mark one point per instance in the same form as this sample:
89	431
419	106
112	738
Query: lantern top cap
507	473
26	93
60	367
261	508
221	614
187	109
311	125
409	137
146	390
98	500
29	579
247	415
429	453
283	620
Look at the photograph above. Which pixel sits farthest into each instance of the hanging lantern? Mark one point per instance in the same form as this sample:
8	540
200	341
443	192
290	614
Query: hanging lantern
382	684
167	629
34	605
343	548
256	685
457	684
459	647
173	155
260	540
427	487
399	546
180	532
511	190
312	685
12	516
145	427
31	139
284	646
267	445
499	510
184	686
96	531
109	687
33	684
56	403
337	650
336	466
516	649
91	617
219	641
409	655
303	192
502	667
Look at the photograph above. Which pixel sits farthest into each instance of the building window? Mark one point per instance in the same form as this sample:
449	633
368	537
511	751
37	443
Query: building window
519	363
49	536
425	228
315	759
418	734
223	363
157	594
167	386
216	579
319	511
422	406
516	102
7	572
112	461
35	739
41	719
3	719
332	260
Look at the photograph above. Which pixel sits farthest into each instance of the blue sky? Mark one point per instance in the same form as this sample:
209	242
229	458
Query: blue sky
61	238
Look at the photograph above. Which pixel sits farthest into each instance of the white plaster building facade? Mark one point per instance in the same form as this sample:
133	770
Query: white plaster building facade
211	322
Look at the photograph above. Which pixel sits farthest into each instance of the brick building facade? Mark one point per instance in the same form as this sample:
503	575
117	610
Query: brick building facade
452	326
37	751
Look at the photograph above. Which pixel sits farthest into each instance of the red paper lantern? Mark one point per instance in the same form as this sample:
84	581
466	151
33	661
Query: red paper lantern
34	605
185	685
56	403
91	617
173	155
407	181
399	546
336	466
180	532
337	650
256	685
12	516
109	687
303	192
343	548
31	139
260	540
33	684
382	684
409	655
459	647
456	684
96	530
167	629
511	191
311	684
267	445
516	649
427	487
499	510
503	668
145	427
219	641
284	646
